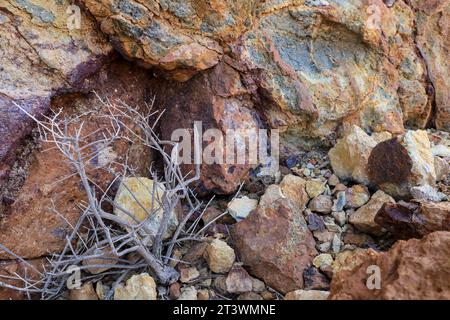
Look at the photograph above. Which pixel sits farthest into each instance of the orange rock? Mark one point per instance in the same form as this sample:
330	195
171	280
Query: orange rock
413	269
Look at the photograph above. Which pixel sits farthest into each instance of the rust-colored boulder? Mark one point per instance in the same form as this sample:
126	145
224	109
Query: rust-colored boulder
414	220
276	245
414	269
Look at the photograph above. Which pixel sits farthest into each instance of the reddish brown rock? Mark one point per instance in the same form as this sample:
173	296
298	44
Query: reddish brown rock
414	220
414	269
275	243
48	200
401	163
314	280
218	99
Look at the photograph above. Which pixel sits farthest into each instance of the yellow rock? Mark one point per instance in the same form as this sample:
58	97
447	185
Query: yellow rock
138	287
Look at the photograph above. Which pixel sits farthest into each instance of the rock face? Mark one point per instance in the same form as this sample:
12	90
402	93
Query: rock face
364	218
40	57
414	269
414	220
47	187
275	243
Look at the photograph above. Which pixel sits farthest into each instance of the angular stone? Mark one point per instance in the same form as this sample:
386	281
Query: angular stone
356	196
398	164
220	256
350	155
307	295
324	262
442	168
364	218
293	188
144	200
188	293
414	220
240	208
188	274
275	243
138	287
238	280
421	269
427	193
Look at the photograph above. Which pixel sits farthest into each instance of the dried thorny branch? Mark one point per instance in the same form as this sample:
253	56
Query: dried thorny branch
102	238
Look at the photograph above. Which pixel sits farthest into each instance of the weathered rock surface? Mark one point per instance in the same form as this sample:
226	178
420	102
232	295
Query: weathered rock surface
218	99
275	243
364	218
47	185
238	280
414	220
40	57
135	195
220	256
12	269
350	155
401	163
138	287
85	292
307	295
414	269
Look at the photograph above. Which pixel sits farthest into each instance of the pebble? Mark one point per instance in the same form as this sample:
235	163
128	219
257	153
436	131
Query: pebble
333	180
314	188
336	244
138	287
219	256
321	204
240	208
85	292
356	196
238	280
307	295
